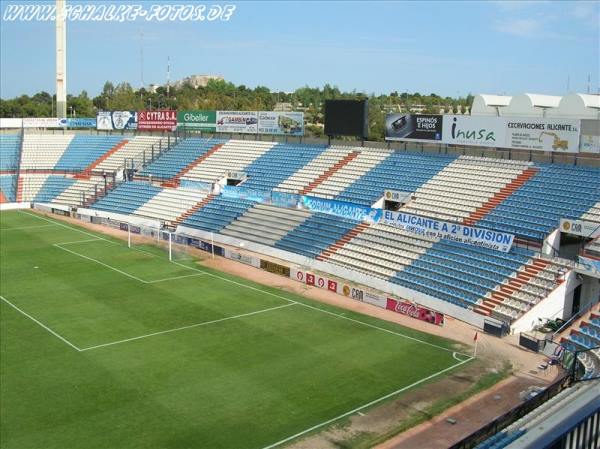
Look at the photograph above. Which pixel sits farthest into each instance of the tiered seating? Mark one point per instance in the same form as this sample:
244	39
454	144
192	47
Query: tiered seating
315	234
178	157
311	171
43	151
538	419
80	191
399	171
52	187
555	192
380	251
265	224
30	185
7	187
356	167
9	151
127	197
217	214
463	186
593	214
235	155
280	163
83	150
169	204
135	149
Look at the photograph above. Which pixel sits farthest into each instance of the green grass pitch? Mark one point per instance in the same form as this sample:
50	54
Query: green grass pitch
103	346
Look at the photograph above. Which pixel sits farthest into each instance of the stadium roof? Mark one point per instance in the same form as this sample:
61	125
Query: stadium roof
583	106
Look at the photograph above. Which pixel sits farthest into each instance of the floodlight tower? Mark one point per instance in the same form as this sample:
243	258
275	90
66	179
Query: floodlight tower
61	59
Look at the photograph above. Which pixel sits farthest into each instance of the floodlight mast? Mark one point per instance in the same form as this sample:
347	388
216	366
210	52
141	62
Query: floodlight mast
61	59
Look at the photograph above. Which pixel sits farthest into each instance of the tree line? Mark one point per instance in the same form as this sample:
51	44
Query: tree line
224	95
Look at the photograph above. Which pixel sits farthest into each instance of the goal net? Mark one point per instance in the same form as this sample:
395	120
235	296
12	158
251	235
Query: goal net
159	242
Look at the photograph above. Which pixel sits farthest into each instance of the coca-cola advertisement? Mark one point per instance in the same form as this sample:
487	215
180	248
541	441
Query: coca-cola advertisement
415	311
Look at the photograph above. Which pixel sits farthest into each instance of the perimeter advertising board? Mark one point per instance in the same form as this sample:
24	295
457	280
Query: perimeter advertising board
197	120
41	122
581	228
413	127
477	131
281	123
116	120
558	135
240	122
160	120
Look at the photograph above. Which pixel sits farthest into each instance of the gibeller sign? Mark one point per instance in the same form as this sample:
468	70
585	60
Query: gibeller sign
197	120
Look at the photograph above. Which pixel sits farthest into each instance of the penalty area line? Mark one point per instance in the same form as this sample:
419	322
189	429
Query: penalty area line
364	406
39	323
177	329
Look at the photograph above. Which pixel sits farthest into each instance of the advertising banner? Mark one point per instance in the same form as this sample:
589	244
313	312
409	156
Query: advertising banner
592	265
559	135
456	232
315	280
197	120
245	122
78	122
284	199
161	120
244	258
579	227
115	120
477	131
192	184
341	209
244	193
415	311
41	122
413	127
273	267
11	122
397	196
589	144
281	123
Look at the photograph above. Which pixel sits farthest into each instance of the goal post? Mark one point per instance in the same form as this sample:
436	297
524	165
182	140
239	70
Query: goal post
159	242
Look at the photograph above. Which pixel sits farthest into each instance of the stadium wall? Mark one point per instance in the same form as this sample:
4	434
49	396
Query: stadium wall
556	305
361	279
13	206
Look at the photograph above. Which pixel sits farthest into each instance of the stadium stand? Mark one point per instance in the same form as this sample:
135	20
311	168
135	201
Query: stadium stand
217	213
554	192
9	151
171	162
52	187
127	197
280	163
170	204
348	169
464	186
137	149
399	171
82	151
234	155
7	188
546	425
43	151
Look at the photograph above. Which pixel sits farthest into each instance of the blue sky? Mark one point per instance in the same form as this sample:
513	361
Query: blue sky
449	48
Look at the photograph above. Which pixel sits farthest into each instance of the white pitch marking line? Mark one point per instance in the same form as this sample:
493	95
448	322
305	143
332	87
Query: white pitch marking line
27	227
326	311
362	407
75	241
101	263
63	225
56	334
271	294
204	323
175	277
